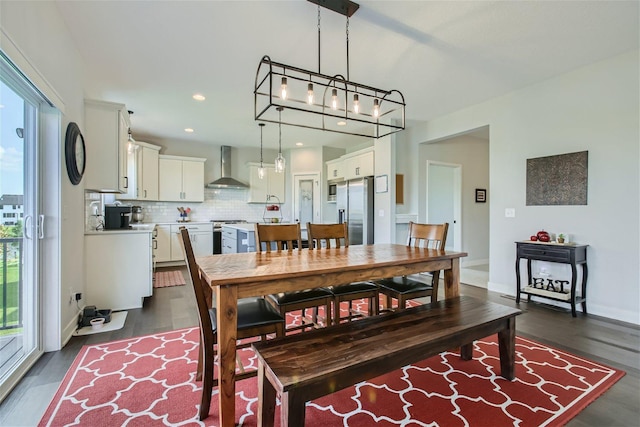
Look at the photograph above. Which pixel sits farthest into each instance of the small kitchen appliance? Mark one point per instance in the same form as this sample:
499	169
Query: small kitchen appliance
136	214
117	216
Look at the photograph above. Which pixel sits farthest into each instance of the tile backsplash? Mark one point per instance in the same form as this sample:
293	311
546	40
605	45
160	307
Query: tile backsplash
218	205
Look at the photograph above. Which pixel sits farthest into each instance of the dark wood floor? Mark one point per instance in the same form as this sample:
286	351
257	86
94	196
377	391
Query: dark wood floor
613	343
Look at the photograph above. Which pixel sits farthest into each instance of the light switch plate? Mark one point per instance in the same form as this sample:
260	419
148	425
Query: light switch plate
381	212
509	213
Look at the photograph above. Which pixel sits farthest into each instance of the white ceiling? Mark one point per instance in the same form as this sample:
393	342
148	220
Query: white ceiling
442	55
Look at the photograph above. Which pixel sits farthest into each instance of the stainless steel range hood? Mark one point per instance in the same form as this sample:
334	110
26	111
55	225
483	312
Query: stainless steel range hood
226	181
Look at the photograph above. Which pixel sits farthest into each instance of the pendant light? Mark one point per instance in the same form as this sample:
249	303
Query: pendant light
280	162
326	102
261	171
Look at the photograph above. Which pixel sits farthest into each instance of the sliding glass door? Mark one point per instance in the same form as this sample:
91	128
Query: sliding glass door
19	224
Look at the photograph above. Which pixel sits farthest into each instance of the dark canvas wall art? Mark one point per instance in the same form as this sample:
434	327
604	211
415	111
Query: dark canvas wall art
558	180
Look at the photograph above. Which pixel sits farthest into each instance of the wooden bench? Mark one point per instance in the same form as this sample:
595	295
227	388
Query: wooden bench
313	364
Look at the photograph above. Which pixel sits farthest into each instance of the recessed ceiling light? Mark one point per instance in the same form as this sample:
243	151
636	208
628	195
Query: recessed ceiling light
342	123
299	144
199	97
188	130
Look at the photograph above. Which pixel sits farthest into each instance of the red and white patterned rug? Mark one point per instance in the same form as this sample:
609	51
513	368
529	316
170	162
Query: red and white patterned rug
149	381
164	279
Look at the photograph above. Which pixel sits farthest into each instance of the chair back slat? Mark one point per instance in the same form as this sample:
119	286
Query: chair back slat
206	329
333	235
432	236
280	234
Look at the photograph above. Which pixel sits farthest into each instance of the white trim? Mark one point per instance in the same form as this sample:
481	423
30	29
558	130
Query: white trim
13	52
474	262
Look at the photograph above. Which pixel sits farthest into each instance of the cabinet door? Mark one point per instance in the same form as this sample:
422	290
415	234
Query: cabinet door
203	245
366	164
176	246
148	174
163	243
335	170
192	181
170	180
123	144
258	188
105	136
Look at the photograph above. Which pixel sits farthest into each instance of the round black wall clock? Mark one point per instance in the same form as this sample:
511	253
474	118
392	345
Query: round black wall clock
74	153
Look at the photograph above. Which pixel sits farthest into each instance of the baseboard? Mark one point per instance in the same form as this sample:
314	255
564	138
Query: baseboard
474	262
70	328
595	309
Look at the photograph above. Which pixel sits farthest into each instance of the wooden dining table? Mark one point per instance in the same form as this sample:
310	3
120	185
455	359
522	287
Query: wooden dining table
235	276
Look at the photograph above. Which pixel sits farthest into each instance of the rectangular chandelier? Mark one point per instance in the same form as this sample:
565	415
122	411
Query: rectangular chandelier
314	100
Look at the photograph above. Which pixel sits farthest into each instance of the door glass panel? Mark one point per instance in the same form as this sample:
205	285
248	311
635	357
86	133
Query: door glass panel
305	197
18	209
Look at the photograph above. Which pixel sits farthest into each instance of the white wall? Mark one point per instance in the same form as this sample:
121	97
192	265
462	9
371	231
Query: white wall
595	108
472	154
41	38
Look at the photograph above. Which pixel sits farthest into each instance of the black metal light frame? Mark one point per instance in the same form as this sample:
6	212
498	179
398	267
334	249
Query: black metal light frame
319	115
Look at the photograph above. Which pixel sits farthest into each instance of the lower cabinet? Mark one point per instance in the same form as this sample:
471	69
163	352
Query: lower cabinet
168	244
237	239
119	269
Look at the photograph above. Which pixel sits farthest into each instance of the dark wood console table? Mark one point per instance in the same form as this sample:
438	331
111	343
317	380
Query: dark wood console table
571	254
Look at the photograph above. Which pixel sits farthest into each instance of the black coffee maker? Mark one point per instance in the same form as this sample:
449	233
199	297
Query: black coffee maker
117	216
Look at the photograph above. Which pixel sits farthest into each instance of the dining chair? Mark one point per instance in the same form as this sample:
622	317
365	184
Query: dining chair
337	235
406	288
280	237
256	318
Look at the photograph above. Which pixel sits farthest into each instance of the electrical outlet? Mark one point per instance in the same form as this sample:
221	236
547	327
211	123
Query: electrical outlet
78	296
510	213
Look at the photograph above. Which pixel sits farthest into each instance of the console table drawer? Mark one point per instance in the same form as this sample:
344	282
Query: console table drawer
545	253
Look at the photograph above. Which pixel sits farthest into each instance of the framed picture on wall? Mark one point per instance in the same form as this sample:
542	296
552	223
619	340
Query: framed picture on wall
481	195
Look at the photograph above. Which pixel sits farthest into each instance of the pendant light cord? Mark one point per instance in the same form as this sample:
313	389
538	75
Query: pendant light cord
319	40
348	79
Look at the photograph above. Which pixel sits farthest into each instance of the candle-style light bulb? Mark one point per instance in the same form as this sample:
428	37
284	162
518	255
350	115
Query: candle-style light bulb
356	103
376	108
334	99
310	93
283	88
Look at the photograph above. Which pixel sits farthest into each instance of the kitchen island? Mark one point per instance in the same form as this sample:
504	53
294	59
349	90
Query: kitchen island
238	238
119	267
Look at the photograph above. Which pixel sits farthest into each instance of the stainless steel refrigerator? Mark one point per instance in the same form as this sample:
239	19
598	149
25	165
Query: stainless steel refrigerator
354	201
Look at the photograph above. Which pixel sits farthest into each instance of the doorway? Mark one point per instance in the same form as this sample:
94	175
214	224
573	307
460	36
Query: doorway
306	200
444	193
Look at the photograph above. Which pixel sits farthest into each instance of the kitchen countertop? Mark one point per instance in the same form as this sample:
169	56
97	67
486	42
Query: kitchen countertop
250	226
135	228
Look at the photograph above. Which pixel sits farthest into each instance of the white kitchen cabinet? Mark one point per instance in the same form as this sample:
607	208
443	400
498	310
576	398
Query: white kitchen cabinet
181	179
358	165
335	170
119	269
201	235
163	243
271	184
142	172
106	134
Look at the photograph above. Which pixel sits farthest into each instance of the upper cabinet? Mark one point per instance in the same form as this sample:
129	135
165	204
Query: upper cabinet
181	179
271	185
142	172
353	165
335	170
106	135
147	157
